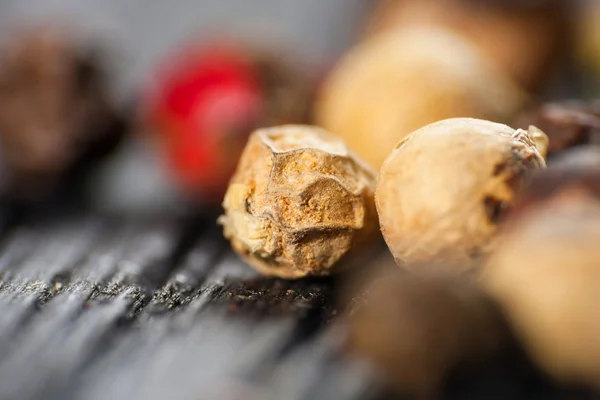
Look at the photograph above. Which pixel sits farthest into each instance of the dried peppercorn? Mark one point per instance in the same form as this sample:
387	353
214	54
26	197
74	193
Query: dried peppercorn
575	174
56	116
416	329
544	274
578	157
587	43
299	202
395	83
567	124
442	191
525	40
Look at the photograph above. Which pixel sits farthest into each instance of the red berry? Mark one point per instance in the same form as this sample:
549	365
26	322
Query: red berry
204	104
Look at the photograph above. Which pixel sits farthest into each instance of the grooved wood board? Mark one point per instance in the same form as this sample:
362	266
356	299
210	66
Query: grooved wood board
94	307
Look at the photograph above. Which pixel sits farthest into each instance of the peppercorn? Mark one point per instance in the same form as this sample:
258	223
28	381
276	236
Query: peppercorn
587	42
526	40
417	329
299	201
579	157
442	191
567	124
545	275
56	117
575	173
204	106
395	83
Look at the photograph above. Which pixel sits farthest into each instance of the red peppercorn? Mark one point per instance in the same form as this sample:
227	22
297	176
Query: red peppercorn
204	103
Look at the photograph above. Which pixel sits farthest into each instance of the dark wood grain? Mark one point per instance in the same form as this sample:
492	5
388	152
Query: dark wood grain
94	307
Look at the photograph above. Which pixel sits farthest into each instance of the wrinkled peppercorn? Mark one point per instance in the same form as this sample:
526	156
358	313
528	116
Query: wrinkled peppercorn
299	201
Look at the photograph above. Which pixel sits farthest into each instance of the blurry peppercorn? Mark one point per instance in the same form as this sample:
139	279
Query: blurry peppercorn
56	118
567	124
395	83
576	174
545	273
416	329
208	98
588	40
550	238
582	156
524	39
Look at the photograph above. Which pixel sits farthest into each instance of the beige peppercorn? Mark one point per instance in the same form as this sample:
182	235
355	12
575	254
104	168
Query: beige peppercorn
395	83
524	39
442	191
545	275
299	201
587	42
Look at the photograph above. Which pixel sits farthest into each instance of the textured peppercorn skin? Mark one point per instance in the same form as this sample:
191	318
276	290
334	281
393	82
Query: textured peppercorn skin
442	191
299	202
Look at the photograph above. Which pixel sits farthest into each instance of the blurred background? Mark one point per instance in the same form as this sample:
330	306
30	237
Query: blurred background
289	56
139	36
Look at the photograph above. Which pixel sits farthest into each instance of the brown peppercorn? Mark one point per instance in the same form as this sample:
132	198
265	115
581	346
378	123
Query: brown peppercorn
418	328
524	39
576	173
567	124
579	157
55	114
395	83
298	202
288	89
545	275
442	191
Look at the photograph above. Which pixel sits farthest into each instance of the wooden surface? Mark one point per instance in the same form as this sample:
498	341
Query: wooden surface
100	308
